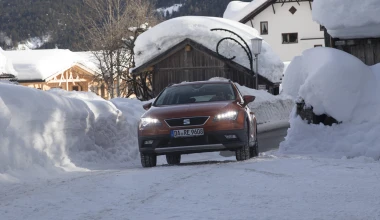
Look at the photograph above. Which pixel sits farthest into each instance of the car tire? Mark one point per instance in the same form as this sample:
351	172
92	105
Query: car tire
173	159
254	150
148	160
244	152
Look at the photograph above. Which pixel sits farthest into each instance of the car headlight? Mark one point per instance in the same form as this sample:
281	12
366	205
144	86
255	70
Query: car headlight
230	115
148	122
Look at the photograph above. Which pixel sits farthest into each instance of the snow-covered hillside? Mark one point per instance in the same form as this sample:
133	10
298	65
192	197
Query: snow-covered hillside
169	10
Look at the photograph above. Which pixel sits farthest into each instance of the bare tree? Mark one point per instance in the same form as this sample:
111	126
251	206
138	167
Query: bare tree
111	28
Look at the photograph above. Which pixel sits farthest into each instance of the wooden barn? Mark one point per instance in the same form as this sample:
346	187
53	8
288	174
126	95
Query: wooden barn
367	49
357	35
191	61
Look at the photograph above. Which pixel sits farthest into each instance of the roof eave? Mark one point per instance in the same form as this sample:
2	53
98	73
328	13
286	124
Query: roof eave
257	11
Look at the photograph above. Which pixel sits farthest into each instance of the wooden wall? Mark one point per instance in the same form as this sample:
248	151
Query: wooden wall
367	50
190	64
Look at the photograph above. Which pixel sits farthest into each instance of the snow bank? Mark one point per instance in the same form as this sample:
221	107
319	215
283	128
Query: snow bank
233	9
348	18
347	140
50	130
6	65
340	85
158	39
267	107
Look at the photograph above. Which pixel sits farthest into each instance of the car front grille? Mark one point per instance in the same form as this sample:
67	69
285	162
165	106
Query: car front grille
181	122
180	142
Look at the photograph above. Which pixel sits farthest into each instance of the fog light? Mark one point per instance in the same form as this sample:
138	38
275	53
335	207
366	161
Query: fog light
230	136
148	142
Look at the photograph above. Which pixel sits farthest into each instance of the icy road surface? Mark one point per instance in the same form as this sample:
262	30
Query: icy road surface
268	187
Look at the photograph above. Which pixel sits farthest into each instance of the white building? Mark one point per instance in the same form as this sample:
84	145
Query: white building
287	25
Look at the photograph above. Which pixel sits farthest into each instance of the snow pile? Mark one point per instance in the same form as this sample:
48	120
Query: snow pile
333	82
49	130
267	107
76	94
170	9
42	64
234	8
238	10
158	39
340	85
348	18
6	65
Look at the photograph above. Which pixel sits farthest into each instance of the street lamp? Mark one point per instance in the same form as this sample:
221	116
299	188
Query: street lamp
256	50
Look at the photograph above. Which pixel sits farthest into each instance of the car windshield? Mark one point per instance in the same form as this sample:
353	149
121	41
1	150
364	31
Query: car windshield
196	93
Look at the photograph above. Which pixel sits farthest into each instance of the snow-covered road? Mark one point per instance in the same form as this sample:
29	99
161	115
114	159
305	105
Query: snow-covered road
268	187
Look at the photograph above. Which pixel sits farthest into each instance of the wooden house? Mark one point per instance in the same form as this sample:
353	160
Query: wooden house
355	33
55	68
367	49
191	61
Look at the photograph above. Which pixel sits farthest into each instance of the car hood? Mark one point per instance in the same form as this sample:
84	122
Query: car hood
189	110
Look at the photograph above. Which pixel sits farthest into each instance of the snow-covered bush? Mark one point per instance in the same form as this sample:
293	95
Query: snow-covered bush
340	85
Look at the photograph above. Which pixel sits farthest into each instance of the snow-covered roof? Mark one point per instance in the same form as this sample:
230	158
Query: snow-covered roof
348	18
167	34
6	66
237	10
233	8
88	59
42	64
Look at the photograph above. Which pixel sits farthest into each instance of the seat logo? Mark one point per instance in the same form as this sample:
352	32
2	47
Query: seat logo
186	121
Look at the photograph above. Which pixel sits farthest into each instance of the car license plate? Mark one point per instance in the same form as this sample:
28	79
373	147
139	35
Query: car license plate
187	133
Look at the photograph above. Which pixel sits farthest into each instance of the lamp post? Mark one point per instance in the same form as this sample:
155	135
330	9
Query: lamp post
256	50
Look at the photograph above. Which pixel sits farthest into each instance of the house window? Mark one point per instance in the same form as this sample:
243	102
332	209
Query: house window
293	10
264	28
75	88
290	38
318	45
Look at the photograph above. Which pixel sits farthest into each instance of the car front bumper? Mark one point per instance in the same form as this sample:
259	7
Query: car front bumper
209	142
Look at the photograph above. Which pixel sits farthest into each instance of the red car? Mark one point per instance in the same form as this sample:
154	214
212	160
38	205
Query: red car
197	117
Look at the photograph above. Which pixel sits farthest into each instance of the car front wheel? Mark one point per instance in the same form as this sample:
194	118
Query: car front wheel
148	160
244	152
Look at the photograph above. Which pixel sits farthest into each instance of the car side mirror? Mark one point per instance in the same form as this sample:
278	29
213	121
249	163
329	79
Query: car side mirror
147	106
248	99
